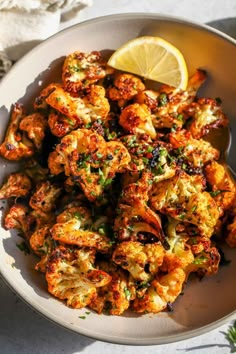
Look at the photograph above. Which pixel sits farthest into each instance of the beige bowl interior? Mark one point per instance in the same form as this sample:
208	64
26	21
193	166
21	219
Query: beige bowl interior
204	305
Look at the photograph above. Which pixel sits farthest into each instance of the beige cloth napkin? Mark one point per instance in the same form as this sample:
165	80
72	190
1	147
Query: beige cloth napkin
24	23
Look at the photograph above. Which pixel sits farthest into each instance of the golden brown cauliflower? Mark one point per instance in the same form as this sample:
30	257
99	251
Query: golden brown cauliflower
83	110
163	291
135	219
19	217
170	111
83	69
45	197
206	113
71	276
182	197
17	185
136	118
73	227
40	103
205	262
126	86
60	124
90	160
114	297
223	187
197	152
16	145
149	98
142	261
35	126
42	244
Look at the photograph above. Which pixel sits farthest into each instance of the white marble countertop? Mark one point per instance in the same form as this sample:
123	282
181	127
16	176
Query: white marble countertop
24	331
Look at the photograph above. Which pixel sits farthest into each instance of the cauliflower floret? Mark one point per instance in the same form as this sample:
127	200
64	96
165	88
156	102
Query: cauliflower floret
148	154
56	163
83	110
17	185
90	160
136	118
75	227
223	187
19	217
134	218
206	113
40	103
16	145
172	103
182	198
193	151
142	261
205	262
35	126
114	297
71	276
71	233
126	86
60	124
42	244
83	69
149	98
163	291
45	197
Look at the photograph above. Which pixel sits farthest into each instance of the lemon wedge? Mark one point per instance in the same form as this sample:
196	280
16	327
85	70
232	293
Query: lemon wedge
152	58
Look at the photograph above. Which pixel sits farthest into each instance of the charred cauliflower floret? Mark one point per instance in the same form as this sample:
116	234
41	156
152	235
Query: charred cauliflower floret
60	124
83	110
206	113
19	217
148	154
34	125
223	187
45	197
42	244
149	98
91	161
183	198
16	145
126	86
193	151
134	218
71	276
142	261
74	227
205	263
163	291
114	297
17	185
170	111
136	118
83	69
40	103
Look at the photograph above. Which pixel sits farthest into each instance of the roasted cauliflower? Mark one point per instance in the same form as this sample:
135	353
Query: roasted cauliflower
16	145
17	185
71	276
120	195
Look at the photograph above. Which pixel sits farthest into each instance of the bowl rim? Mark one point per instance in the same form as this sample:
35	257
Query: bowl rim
33	303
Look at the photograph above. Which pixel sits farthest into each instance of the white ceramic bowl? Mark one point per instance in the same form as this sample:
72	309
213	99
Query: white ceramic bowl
204	305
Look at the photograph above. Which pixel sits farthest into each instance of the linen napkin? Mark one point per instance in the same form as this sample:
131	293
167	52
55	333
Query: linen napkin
24	23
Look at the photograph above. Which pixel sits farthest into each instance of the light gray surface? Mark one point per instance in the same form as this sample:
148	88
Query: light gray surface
24	331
